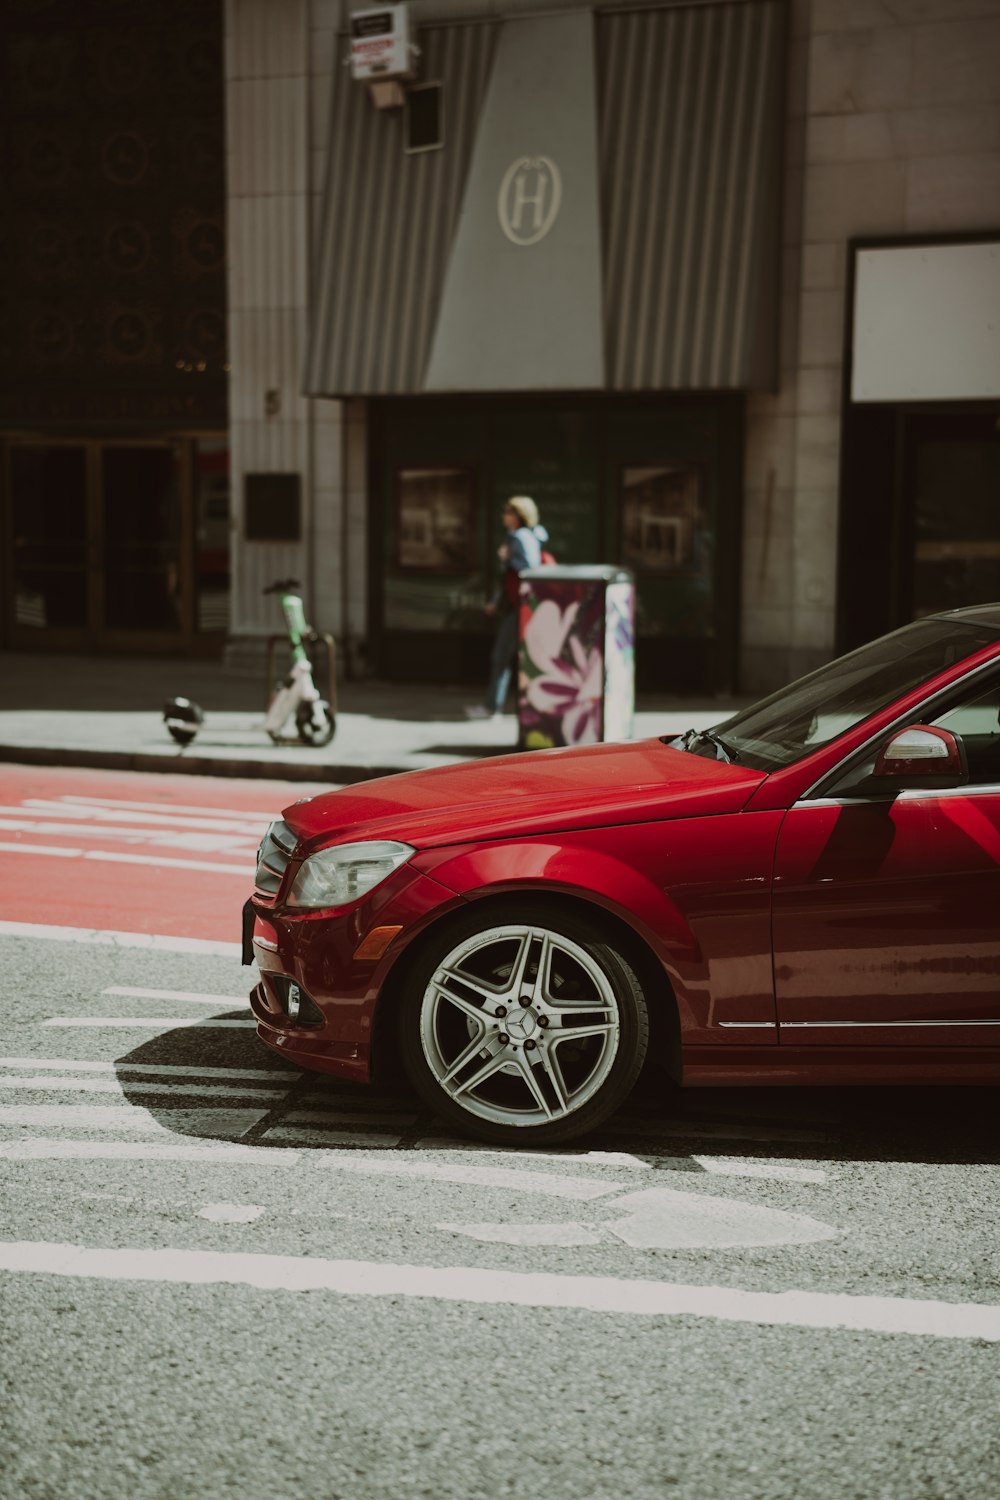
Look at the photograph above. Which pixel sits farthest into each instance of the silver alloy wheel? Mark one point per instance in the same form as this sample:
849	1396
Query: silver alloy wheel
519	1025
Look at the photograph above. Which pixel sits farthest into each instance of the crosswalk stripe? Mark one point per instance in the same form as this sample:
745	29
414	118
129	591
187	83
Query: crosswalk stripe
46	1148
38	1084
199	840
696	1130
238	814
168	1070
114	856
602	1294
720	1166
189	997
350	1117
475	1174
300	1135
157	942
147	1023
132	1118
103	813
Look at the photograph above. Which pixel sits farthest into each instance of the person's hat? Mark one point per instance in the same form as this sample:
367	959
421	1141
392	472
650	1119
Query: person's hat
525	509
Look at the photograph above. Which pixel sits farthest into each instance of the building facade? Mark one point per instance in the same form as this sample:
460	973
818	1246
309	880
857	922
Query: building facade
114	483
673	269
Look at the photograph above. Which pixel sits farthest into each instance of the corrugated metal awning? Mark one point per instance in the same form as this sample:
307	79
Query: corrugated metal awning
690	111
690	104
387	223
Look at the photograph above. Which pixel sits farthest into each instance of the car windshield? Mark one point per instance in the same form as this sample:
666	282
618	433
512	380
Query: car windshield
813	711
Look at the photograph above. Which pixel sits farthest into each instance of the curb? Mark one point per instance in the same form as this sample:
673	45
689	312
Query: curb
194	765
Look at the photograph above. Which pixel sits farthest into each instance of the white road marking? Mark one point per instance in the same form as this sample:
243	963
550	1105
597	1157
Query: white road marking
189	997
151	862
132	1118
667	1219
552	1184
106	938
48	1148
770	1171
567	1158
230	1213
143	812
168	809
206	840
147	1023
527	1234
166	1070
349	1117
605	1294
37	1084
60	852
300	1135
694	1130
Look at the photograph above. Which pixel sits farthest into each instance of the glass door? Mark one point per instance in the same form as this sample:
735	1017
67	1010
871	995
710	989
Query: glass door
142	585
673	478
951	488
49	533
116	544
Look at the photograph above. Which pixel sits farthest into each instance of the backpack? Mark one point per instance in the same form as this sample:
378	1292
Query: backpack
511	588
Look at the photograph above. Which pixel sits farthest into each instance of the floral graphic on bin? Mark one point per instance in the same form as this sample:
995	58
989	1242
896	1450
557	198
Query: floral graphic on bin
561	678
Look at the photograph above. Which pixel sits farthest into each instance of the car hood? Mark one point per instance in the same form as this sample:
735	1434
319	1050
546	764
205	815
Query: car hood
539	791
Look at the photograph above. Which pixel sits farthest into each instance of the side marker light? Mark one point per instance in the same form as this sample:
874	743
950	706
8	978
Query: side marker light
374	944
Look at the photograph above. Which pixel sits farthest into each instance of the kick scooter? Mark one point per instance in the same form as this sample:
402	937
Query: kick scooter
297	694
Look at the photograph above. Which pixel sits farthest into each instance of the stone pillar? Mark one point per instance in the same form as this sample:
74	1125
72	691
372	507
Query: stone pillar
278	56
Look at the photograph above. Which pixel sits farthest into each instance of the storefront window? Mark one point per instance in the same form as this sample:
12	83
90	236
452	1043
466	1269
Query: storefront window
435	520
666	536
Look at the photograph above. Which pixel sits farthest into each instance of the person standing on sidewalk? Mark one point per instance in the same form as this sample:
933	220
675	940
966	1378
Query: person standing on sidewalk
522	549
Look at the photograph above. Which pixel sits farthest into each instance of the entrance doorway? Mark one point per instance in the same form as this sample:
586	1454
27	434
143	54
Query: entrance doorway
920	530
651	483
117	544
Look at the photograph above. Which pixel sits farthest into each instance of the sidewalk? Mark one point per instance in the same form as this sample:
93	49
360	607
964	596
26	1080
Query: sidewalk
107	711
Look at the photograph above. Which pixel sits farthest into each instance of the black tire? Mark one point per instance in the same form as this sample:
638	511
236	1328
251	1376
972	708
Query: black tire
535	1086
315	723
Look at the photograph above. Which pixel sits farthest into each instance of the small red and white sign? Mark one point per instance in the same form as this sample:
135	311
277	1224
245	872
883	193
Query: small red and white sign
380	42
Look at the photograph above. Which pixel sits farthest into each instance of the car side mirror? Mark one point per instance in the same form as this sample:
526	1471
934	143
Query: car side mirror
922	756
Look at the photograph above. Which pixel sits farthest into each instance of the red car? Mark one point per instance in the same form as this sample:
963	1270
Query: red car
810	892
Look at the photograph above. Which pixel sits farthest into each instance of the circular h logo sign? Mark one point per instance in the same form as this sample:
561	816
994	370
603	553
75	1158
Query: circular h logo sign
529	199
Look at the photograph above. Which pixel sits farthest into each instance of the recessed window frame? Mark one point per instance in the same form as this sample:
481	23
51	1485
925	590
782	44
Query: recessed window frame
436	145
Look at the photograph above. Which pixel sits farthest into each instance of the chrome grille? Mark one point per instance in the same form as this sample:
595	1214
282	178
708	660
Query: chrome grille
275	851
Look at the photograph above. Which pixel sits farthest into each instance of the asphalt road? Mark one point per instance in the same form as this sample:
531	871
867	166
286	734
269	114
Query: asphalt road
220	1277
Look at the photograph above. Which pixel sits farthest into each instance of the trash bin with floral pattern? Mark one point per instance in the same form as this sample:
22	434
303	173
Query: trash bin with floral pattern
576	656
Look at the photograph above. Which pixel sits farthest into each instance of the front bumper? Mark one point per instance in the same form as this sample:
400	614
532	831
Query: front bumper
316	1000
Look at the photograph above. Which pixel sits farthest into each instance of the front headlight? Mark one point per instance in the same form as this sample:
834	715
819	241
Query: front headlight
333	877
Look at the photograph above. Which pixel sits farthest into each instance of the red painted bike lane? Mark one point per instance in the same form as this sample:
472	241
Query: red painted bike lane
133	851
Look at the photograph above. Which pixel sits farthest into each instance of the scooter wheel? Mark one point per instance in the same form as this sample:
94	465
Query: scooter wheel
315	723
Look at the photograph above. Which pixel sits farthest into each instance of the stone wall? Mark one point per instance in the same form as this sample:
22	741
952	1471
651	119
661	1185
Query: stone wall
893	128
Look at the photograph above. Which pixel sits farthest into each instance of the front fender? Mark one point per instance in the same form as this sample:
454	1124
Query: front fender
695	891
582	874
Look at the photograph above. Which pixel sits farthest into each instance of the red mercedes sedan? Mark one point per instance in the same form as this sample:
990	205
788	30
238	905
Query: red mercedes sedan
809	892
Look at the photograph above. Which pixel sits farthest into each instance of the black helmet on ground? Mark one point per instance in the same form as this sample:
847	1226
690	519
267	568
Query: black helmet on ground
183	718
